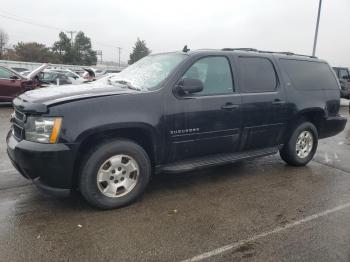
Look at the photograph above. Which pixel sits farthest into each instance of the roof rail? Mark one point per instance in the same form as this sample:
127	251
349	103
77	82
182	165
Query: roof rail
239	49
261	51
286	53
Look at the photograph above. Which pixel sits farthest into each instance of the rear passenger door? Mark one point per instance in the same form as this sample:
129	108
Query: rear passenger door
263	103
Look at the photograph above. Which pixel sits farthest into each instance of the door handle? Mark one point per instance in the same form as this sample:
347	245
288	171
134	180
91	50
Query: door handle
229	106
278	102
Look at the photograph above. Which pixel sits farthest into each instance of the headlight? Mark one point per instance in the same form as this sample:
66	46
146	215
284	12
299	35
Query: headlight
43	129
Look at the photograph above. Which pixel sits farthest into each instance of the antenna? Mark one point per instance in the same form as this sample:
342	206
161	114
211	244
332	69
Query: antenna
185	49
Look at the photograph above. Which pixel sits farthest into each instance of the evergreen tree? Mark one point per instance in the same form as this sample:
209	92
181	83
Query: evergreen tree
82	49
140	50
78	53
63	48
63	51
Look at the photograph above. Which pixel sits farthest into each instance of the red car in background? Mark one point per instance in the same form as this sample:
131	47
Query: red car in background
12	84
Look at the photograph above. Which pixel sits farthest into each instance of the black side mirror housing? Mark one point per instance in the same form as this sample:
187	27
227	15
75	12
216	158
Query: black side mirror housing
190	86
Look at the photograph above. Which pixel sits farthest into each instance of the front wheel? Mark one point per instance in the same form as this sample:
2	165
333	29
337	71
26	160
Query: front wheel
115	174
301	145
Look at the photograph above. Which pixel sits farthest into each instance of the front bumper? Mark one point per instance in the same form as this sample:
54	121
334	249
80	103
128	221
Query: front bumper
49	166
332	126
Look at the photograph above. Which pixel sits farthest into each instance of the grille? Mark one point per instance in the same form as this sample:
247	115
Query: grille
20	116
18	119
17	131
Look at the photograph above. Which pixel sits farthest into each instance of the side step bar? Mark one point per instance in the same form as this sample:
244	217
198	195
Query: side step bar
213	160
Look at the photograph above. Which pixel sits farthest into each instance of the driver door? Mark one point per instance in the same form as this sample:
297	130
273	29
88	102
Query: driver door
206	122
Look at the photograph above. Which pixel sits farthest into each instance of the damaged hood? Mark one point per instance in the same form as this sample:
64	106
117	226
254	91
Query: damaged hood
58	94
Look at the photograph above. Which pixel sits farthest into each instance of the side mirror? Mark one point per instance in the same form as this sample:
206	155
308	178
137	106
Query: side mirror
189	85
14	77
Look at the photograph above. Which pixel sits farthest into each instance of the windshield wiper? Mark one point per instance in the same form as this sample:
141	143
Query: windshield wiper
125	83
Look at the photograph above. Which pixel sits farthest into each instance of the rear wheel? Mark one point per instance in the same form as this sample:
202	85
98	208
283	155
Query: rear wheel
115	174
301	145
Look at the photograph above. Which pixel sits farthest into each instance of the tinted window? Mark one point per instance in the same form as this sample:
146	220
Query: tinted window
214	72
257	74
309	75
4	73
343	74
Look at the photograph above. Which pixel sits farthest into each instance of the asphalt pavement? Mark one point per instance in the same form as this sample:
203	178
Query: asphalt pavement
259	210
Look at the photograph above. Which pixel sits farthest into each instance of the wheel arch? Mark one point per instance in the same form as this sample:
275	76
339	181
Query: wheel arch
314	115
142	134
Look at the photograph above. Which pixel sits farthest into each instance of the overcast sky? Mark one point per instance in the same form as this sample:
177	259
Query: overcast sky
279	25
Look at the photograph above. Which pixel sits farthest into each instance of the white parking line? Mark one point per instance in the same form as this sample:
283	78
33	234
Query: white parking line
279	229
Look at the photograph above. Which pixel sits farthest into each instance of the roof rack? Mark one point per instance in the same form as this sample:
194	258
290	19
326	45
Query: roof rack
239	49
261	51
286	53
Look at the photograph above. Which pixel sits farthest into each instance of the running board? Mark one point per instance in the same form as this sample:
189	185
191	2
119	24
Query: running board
213	160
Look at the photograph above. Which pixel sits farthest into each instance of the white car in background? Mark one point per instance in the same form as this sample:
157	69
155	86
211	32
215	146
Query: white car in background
74	78
57	76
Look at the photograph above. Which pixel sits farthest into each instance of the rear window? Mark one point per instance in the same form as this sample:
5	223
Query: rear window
308	75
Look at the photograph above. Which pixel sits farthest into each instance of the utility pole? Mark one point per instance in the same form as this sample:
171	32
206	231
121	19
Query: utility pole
316	31
1	47
119	49
71	36
99	53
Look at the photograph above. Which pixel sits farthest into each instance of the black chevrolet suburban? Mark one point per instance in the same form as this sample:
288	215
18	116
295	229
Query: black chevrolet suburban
172	112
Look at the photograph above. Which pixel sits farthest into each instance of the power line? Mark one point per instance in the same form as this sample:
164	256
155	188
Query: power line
8	15
27	21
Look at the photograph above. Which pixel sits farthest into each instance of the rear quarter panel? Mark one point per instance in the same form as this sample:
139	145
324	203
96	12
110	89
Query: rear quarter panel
325	101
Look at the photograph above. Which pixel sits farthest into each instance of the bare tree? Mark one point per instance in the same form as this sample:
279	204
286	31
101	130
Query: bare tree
3	41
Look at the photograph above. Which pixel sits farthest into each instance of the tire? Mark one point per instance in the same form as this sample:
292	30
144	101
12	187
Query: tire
114	174
290	153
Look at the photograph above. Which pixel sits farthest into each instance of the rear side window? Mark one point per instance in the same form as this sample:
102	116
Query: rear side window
256	75
309	75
